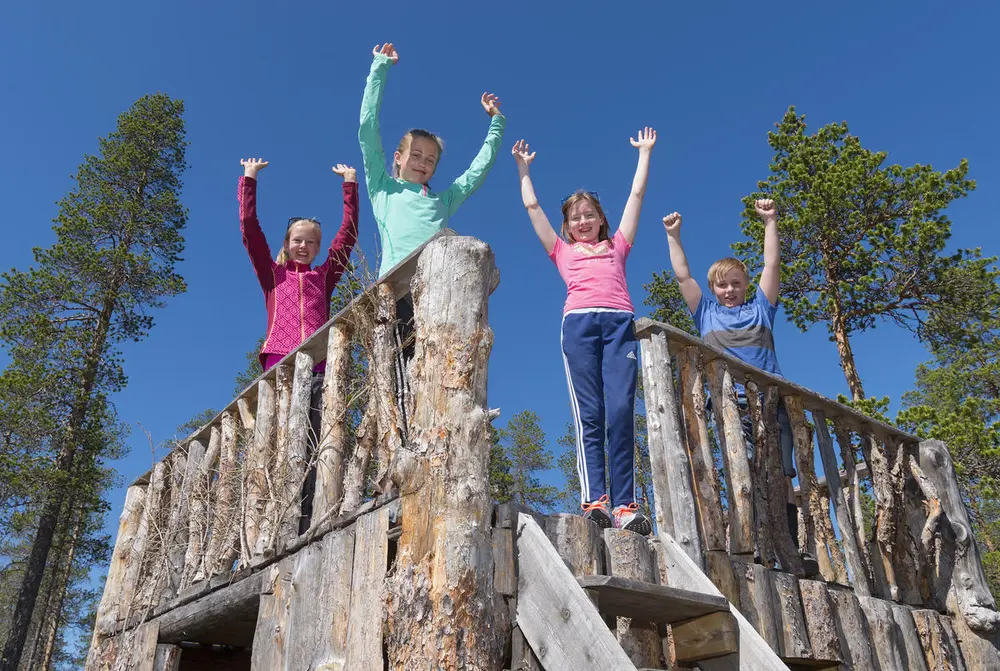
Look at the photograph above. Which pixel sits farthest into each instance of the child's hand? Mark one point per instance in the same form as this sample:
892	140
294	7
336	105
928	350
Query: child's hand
766	209
672	222
647	138
491	104
386	50
251	166
520	153
347	172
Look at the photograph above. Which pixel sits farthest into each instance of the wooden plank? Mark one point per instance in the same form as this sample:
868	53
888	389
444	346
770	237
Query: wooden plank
257	464
365	620
382	386
557	618
226	616
168	658
271	633
504	575
820	625
139	652
330	461
578	541
650	602
719	568
201	514
631	561
146	573
979	650
793	638
852	631
297	454
938	641
842	509
913	654
706	637
674	507
704	476
734	457
318	617
755	654
223	548
360	459
887	644
270	539
755	585
114	599
505	515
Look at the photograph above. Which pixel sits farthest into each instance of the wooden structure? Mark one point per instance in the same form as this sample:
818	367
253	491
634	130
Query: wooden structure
218	565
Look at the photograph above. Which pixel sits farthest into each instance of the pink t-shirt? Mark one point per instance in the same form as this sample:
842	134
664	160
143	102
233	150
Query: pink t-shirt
594	273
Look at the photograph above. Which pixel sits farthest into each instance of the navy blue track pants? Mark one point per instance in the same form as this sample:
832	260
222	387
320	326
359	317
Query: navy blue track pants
601	357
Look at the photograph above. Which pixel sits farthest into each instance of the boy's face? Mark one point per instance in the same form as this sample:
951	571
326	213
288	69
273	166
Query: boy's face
731	288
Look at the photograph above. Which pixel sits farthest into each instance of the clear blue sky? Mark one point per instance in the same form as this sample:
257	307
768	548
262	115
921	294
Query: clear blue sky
576	79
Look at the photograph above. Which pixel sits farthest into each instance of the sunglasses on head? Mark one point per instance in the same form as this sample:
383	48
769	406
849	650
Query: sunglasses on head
592	194
292	220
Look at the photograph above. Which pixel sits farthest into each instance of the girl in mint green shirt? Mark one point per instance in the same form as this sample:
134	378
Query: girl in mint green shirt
407	212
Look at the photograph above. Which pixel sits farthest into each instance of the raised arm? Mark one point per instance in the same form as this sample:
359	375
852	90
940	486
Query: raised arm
473	178
770	277
543	229
253	237
369	134
630	217
678	260
347	236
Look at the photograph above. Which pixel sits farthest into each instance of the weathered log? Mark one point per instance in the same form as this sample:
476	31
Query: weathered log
734	458
793	637
852	630
247	420
299	439
845	519
810	505
980	649
357	466
719	568
504	574
887	643
823	639
226	616
258	480
704	477
116	589
269	648
756	602
385	357
442	607
885	468
579	542
674	504
174	546
365	628
330	459
629	556
912	652
223	549
705	637
938	641
152	564
180	514
200	513
967	581
168	658
270	538
774	538
852	495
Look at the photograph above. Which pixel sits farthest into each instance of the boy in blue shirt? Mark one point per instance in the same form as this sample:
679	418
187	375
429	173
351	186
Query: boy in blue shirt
743	329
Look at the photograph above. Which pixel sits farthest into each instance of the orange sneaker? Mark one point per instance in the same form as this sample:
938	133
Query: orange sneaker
629	518
597	512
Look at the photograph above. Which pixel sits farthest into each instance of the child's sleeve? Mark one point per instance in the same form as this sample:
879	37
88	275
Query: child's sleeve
369	134
347	236
770	311
701	314
474	177
253	237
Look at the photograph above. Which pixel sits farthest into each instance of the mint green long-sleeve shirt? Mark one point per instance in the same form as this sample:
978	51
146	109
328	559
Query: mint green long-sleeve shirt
409	214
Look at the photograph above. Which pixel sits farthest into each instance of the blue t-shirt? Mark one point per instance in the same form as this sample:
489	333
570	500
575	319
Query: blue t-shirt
745	331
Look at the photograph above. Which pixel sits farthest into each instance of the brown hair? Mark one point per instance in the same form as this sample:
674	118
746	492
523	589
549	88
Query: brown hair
573	199
404	144
282	256
723	266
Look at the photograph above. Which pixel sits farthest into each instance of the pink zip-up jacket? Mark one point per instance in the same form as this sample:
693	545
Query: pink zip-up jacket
297	296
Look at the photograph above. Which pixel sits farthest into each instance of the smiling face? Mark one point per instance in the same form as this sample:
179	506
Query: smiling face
583	219
417	159
730	287
303	241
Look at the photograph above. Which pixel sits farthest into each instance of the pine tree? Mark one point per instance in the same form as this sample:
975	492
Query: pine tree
526	449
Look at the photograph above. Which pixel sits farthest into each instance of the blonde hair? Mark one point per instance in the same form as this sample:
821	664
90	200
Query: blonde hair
602	234
282	257
723	266
404	144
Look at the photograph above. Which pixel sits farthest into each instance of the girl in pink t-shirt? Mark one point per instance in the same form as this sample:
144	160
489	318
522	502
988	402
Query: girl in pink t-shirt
598	342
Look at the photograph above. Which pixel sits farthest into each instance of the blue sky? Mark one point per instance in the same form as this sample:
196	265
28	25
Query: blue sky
285	83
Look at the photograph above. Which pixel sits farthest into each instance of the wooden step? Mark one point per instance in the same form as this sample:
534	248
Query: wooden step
649	602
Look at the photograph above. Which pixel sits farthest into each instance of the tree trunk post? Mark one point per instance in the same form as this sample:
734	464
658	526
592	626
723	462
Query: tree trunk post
443	611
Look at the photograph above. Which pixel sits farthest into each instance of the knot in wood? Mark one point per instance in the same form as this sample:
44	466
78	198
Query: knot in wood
565	614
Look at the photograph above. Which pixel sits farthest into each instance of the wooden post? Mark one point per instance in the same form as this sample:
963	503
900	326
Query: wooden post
823	639
442	607
111	609
852	629
842	509
734	458
224	546
180	507
629	556
201	512
357	467
579	542
333	425
389	438
771	491
674	505
938	641
298	447
150	569
793	638
704	477
967	582
258	465
876	578
270	532
171	544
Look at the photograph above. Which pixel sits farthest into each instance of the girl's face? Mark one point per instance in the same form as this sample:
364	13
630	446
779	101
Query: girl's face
418	162
584	221
303	242
731	289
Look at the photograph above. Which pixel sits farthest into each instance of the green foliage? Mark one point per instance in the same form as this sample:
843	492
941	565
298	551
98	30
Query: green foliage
862	242
526	450
664	296
569	493
501	478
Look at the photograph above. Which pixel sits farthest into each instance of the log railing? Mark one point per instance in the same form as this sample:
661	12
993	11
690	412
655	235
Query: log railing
230	496
885	517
